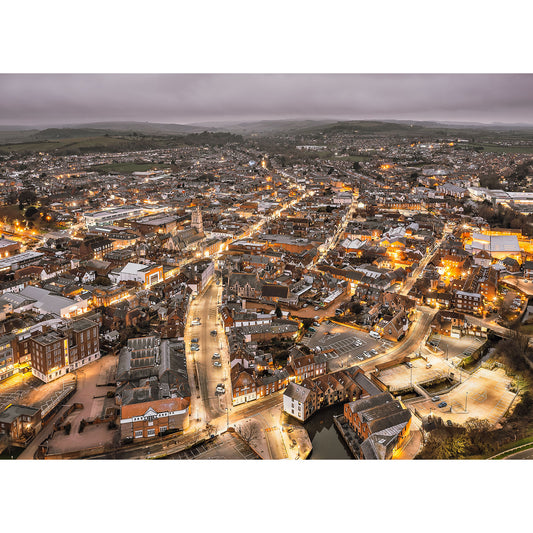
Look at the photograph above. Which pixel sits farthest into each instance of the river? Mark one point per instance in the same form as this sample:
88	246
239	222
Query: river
326	440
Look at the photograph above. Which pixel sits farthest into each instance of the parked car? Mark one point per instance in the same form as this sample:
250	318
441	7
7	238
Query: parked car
214	333
221	389
435	398
195	348
217	363
409	364
428	365
216	355
442	404
194	341
373	351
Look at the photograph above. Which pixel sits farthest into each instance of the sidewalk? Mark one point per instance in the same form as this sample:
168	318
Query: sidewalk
411	449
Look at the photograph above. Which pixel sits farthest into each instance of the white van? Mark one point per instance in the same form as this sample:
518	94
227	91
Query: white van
375	335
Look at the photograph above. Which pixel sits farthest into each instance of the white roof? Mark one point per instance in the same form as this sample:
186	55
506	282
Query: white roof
133	268
495	243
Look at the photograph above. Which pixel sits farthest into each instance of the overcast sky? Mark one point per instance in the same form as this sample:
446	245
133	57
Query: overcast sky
46	99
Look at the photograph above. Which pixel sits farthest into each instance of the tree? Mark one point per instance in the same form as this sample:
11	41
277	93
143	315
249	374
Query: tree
307	323
27	196
278	312
249	431
491	181
524	407
11	198
356	308
30	212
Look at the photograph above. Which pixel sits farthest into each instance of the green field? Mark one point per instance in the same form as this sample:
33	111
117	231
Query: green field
127	168
503	149
83	145
352	158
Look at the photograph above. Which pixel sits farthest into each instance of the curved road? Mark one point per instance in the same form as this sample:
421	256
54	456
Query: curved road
526	454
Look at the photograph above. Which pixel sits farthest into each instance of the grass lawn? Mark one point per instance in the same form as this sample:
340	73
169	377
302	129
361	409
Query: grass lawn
527	329
512	445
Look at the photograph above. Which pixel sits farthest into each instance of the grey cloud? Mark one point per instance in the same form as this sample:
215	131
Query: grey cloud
37	99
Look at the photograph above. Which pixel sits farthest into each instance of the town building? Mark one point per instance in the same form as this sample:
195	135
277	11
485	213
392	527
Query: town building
152	388
55	353
382	424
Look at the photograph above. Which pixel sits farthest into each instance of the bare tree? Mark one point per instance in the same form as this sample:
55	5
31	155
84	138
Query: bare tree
249	431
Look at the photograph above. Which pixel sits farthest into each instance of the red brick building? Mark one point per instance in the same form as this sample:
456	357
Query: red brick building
381	422
55	353
152	418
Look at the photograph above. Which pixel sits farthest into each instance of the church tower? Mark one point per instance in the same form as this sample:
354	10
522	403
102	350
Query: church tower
196	220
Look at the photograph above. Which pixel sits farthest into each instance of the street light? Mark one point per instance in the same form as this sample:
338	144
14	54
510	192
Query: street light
466	402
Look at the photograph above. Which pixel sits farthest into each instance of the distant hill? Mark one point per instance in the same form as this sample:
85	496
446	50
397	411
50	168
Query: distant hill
265	126
146	128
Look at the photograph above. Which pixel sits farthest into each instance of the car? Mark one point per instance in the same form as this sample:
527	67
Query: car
305	305
409	364
442	404
317	308
428	365
214	333
194	341
217	363
221	389
373	352
435	398
216	355
449	423
195	348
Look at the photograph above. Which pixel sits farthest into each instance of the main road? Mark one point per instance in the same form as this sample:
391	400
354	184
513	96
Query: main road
413	341
204	376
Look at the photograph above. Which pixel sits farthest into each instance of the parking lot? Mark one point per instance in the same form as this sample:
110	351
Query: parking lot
343	346
456	349
401	376
484	394
26	389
